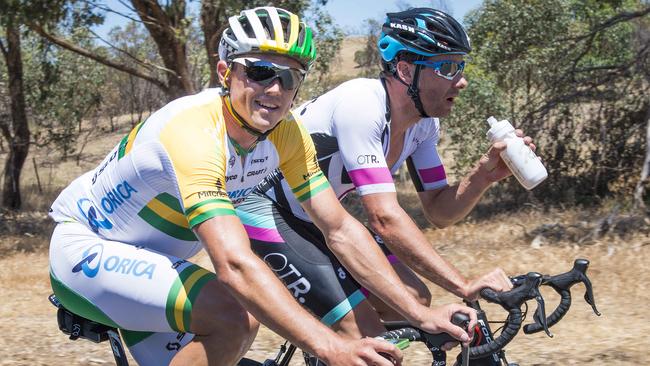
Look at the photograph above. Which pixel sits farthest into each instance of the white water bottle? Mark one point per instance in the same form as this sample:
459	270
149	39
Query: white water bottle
520	159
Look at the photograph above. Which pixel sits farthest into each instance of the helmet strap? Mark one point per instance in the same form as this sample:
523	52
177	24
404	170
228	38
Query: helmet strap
413	91
250	129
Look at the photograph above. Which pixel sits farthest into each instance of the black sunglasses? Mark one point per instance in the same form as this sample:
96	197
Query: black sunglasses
265	73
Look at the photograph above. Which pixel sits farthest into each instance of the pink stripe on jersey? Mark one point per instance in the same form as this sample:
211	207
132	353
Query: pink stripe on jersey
435	174
263	234
363	177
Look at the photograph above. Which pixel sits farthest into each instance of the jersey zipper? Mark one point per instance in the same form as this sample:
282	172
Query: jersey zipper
243	168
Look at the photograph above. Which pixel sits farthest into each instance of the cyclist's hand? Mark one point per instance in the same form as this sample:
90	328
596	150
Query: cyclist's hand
493	166
497	280
438	320
365	352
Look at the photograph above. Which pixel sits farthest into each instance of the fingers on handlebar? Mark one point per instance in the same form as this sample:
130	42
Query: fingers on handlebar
498	280
463	332
385	353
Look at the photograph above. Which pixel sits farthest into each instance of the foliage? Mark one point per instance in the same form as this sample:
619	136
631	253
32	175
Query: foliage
125	92
63	89
571	74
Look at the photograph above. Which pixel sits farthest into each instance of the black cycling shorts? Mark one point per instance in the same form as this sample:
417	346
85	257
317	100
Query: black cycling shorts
296	251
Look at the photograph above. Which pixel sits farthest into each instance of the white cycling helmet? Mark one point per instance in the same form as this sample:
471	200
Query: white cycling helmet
268	29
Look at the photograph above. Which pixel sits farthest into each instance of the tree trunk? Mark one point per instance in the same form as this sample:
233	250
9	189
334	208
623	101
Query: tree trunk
168	29
640	186
18	132
211	15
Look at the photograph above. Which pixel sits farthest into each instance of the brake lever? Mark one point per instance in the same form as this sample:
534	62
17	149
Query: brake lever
564	282
540	313
582	265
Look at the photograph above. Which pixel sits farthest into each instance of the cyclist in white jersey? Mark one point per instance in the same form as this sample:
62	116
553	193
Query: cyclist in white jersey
125	230
363	131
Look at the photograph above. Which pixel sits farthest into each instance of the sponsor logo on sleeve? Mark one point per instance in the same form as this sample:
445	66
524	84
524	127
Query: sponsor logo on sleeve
367	159
211	194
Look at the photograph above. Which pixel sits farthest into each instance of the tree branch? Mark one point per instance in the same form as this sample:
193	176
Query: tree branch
110	10
146	64
102	60
618	18
154	18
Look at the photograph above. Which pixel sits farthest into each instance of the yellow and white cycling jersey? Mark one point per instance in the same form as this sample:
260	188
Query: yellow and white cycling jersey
179	168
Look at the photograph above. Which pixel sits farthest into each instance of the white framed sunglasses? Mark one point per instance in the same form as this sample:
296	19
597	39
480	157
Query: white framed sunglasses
447	69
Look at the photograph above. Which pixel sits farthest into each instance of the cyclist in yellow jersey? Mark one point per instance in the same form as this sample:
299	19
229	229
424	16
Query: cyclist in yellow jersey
118	254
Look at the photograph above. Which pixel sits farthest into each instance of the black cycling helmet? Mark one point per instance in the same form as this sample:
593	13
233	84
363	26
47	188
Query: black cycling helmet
421	32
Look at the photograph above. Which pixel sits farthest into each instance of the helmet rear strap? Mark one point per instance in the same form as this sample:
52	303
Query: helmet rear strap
414	91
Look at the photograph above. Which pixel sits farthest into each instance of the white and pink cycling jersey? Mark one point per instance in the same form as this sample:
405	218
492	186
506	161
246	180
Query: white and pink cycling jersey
352	134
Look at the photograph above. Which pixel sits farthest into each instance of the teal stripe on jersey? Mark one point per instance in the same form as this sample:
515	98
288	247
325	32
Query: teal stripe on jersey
343	308
264	221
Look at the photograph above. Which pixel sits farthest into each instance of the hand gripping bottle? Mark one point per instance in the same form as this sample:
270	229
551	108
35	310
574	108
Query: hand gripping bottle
520	159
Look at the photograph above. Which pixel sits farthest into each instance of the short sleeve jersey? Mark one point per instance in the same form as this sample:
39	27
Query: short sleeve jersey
177	169
352	136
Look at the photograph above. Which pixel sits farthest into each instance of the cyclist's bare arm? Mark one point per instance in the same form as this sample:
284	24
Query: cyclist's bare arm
262	294
445	206
357	251
448	205
402	236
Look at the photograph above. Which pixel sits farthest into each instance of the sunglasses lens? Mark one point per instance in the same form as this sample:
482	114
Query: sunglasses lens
448	69
290	79
265	75
260	73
